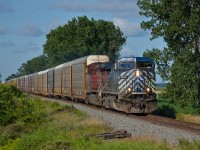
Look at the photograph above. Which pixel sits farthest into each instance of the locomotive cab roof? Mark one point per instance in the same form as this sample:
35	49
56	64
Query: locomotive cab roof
134	62
135	59
144	59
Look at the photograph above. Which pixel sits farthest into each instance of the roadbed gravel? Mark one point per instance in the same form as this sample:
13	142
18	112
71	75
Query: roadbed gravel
137	128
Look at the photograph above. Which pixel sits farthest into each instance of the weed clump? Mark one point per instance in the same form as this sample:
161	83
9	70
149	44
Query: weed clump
12	132
62	145
186	145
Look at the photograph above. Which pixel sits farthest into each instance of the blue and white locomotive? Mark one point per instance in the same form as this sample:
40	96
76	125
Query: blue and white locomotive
128	85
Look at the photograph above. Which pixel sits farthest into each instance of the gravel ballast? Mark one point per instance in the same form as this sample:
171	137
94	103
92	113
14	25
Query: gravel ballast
136	127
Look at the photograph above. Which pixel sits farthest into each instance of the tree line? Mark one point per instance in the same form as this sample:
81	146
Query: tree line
79	37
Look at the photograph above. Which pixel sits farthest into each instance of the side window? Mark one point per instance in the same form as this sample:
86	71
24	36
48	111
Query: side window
121	65
144	65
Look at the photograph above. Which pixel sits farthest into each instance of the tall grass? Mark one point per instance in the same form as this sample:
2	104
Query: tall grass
39	138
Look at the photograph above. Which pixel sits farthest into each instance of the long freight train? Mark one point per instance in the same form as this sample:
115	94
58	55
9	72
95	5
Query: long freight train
127	85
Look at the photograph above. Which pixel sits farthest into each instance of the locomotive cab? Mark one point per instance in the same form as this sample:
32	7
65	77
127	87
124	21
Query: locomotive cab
145	75
136	76
136	83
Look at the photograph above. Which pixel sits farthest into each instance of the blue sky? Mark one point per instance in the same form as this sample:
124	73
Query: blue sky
25	23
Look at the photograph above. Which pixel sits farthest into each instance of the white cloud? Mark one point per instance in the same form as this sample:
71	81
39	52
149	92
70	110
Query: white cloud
97	5
31	30
129	28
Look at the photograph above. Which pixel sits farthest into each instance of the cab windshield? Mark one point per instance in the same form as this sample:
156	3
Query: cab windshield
144	64
126	65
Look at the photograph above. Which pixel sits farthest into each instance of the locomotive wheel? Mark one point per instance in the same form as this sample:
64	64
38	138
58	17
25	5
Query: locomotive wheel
74	99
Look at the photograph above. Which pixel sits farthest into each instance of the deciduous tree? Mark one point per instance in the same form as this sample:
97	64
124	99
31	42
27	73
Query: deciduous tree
81	37
177	22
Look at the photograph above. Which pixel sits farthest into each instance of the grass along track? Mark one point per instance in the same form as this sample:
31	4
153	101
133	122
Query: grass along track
153	119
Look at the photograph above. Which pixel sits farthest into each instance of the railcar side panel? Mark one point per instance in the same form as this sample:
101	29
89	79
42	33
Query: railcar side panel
40	84
29	83
66	81
44	85
23	83
57	82
36	83
26	83
78	81
50	80
32	80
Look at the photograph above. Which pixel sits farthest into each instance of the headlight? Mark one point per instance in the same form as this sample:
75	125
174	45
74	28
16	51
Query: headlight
129	89
148	89
137	73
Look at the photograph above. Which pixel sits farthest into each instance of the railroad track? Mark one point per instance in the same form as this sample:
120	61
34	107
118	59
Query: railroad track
153	119
169	122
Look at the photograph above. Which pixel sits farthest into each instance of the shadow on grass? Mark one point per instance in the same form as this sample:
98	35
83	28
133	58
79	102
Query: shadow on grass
166	111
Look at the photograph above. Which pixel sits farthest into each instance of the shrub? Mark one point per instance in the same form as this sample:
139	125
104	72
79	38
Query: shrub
4	138
166	111
33	112
15	130
58	107
8	104
15	106
12	132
